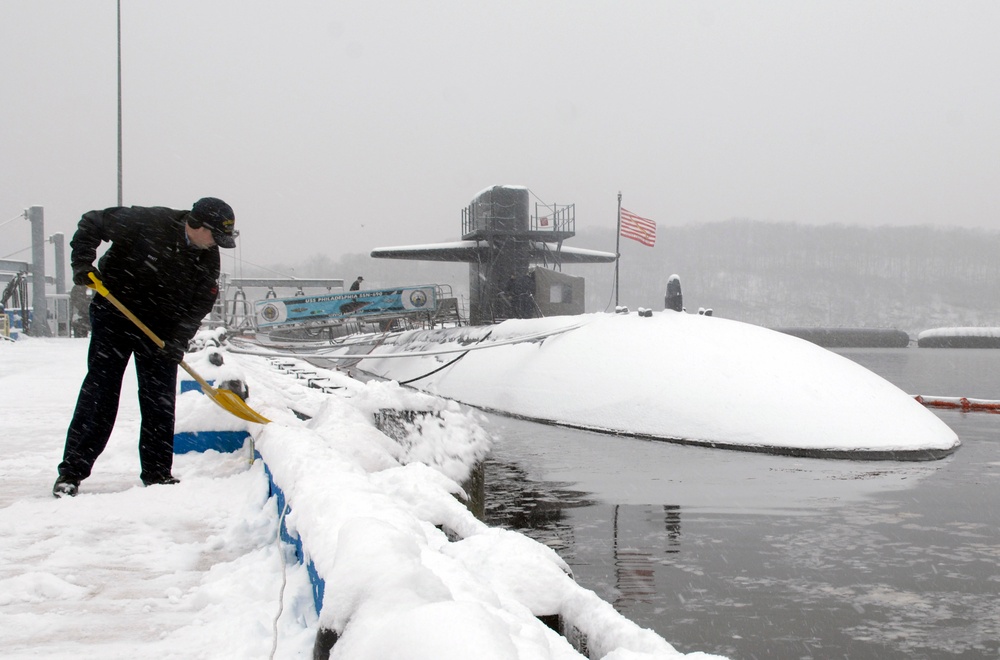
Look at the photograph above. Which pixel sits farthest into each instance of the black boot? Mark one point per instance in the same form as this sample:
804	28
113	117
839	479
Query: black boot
65	487
166	480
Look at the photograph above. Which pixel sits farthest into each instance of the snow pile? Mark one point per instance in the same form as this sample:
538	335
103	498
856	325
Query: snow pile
440	435
408	570
194	411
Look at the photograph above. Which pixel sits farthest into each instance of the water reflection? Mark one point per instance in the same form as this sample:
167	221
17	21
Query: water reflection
621	470
911	575
537	509
777	557
635	567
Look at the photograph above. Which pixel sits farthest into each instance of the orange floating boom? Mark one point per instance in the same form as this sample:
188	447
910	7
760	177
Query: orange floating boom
959	403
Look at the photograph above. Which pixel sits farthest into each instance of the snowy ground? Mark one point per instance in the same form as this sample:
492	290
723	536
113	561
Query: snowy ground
195	570
123	571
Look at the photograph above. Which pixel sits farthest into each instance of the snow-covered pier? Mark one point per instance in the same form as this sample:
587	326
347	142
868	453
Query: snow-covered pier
394	563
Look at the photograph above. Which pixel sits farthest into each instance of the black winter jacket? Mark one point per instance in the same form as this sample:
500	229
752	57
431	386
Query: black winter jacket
150	267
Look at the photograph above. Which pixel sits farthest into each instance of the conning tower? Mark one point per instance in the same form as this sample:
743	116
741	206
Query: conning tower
501	241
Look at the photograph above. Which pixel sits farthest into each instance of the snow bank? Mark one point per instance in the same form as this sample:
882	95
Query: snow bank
408	571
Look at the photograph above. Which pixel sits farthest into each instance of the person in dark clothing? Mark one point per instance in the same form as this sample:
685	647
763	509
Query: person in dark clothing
357	284
524	298
163	265
674	300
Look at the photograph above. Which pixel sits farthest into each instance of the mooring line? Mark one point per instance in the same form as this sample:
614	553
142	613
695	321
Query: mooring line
284	581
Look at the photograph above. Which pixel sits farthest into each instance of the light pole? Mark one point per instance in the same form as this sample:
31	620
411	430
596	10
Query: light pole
119	102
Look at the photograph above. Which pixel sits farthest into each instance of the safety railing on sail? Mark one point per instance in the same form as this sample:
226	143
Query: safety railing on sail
555	218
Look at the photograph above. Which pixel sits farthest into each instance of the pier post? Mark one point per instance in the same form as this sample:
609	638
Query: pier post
59	241
38	327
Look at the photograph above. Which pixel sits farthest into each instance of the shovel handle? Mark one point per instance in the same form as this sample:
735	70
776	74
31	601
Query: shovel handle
234	405
194	374
98	286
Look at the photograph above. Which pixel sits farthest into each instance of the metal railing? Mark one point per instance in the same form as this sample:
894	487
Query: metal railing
557	218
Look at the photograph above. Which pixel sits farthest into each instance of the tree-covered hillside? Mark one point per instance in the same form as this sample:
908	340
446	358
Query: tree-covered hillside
775	274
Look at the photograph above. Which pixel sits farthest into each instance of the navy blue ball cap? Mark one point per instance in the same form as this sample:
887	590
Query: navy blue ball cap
218	216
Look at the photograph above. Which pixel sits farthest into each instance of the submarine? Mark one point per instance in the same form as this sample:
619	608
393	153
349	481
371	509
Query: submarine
665	375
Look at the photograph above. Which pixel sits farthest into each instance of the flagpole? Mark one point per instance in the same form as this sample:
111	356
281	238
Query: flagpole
618	241
119	102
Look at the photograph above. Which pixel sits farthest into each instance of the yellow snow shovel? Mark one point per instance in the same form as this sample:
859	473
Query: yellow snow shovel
226	399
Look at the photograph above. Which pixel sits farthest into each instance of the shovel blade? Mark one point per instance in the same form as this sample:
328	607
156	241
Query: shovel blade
233	404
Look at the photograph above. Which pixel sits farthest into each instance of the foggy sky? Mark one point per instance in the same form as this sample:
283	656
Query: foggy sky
337	127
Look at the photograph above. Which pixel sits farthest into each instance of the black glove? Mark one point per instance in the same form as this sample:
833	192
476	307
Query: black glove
82	276
175	349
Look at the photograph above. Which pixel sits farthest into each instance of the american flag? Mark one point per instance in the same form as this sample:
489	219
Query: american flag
638	229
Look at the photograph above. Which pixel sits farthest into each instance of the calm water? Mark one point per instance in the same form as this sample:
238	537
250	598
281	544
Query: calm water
754	556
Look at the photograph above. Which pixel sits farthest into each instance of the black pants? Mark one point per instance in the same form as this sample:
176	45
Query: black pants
113	340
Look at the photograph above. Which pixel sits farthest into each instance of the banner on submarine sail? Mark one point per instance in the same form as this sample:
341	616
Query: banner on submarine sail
336	306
